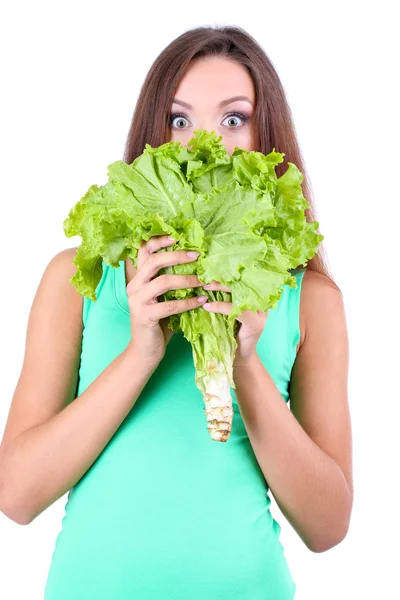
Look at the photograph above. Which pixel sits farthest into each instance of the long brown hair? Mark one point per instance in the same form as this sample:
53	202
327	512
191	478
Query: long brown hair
272	120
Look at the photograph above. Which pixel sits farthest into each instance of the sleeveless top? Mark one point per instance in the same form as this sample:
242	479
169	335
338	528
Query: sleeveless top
164	511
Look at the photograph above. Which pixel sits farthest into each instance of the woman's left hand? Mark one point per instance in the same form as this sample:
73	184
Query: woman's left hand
250	330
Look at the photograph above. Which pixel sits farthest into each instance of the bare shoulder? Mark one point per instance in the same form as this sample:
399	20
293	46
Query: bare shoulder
318	282
55	290
320	300
56	282
62	263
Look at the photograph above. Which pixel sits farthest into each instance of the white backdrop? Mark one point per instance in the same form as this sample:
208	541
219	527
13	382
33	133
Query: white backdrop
71	74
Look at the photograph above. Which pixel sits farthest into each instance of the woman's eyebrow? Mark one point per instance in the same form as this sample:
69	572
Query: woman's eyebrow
221	104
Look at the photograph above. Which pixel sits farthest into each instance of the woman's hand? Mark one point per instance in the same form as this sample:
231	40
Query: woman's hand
250	330
149	317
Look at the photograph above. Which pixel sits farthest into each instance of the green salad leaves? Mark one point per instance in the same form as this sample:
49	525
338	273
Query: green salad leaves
248	225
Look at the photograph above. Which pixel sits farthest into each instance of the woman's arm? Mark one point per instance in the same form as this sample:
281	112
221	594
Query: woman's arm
51	439
41	464
305	455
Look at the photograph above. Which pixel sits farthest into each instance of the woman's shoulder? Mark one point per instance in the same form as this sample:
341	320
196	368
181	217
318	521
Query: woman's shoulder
320	299
66	257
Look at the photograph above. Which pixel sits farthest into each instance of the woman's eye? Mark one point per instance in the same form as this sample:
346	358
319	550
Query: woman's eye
234	118
180	119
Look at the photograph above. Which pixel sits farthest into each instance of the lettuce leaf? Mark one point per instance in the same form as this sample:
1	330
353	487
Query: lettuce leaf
248	225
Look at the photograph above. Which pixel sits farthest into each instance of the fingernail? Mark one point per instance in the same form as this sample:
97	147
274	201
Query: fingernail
193	254
206	305
207	287
172	239
201	298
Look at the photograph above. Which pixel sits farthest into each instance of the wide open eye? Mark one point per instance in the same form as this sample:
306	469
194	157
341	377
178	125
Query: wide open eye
234	117
180	119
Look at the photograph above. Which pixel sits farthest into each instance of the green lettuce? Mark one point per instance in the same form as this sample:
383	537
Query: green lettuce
248	225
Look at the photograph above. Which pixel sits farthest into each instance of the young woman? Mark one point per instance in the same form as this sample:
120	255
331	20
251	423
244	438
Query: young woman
106	405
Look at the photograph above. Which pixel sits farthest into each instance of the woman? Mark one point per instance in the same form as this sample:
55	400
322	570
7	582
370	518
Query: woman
109	410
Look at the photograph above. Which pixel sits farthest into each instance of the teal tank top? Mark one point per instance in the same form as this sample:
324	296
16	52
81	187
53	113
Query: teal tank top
165	512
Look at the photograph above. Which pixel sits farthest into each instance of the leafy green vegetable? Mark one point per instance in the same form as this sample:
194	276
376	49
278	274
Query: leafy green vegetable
248	225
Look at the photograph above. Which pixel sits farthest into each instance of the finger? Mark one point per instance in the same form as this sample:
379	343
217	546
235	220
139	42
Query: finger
226	307
218	306
157	261
217	287
169	281
153	244
173	307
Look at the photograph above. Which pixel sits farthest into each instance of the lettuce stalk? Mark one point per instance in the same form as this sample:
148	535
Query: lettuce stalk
247	224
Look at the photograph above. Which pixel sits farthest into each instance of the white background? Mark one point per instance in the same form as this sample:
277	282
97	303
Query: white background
71	74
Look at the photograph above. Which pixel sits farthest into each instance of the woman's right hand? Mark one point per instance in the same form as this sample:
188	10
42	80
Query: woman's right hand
149	317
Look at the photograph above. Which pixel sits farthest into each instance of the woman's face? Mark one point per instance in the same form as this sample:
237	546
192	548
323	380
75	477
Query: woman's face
201	102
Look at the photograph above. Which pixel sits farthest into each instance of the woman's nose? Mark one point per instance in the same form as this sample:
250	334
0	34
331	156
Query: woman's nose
207	125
